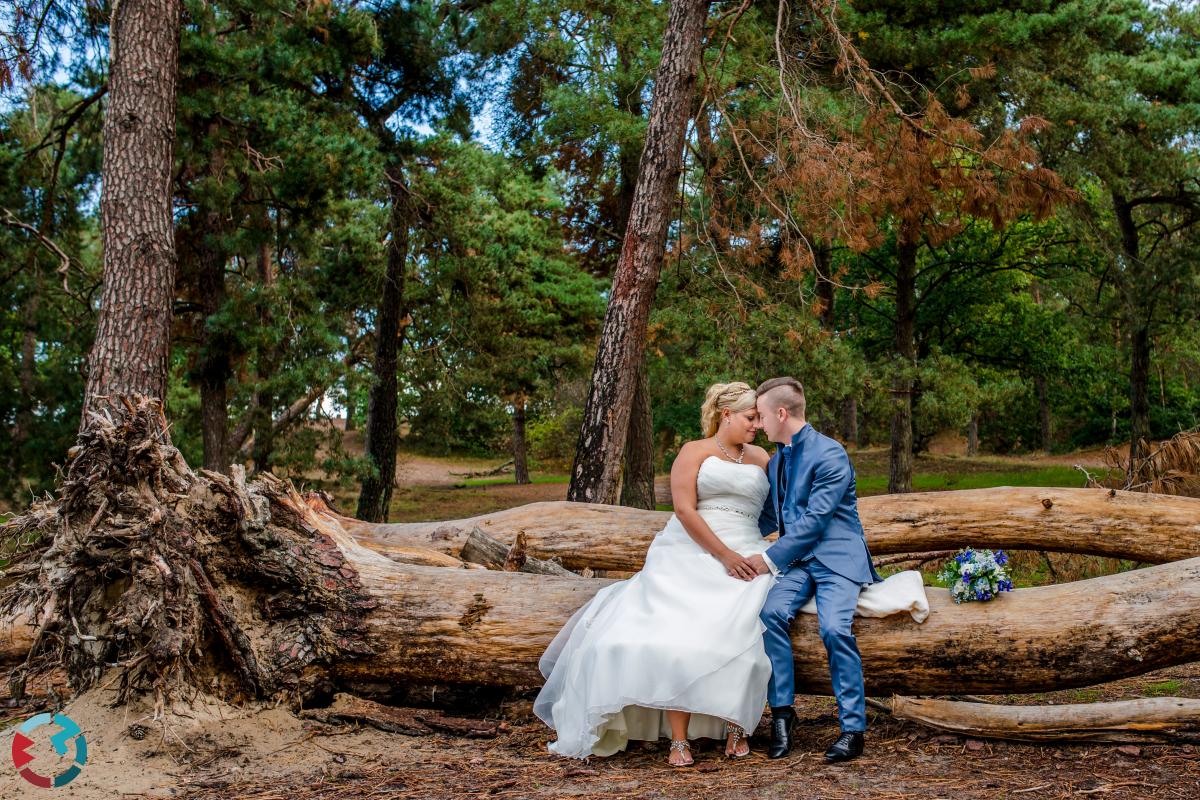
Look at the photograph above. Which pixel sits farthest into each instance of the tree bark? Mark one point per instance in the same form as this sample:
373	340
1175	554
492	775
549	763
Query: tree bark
381	433
598	454
1131	525
973	436
520	460
637	480
133	330
900	462
637	484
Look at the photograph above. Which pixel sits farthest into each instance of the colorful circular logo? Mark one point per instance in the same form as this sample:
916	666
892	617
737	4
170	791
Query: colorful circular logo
69	731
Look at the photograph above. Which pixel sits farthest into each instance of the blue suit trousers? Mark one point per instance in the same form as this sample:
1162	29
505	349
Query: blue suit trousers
836	599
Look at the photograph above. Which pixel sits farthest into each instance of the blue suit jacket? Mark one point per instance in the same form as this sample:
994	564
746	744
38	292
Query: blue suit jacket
818	510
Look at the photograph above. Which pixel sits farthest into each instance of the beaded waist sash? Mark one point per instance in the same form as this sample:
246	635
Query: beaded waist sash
714	507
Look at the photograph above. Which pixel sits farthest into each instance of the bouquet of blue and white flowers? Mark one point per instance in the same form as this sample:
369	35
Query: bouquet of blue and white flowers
976	575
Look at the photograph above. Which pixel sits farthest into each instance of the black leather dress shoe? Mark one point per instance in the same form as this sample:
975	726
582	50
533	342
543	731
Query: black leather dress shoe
782	723
849	745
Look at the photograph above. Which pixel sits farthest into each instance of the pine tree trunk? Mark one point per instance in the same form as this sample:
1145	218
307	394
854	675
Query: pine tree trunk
1137	320
973	436
598	454
381	432
637	480
637	484
519	450
1139	394
900	466
132	342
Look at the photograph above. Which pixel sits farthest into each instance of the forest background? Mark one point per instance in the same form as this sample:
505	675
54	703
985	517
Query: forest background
403	219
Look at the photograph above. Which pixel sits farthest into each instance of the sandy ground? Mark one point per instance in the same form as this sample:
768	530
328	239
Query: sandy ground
214	751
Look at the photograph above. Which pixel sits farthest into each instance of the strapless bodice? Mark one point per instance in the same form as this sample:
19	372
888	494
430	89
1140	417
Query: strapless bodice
727	486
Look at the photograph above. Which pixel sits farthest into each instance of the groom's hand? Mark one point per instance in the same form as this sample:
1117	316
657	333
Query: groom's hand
759	564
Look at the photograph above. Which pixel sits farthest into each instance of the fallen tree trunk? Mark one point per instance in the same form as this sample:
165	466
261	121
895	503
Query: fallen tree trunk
433	624
491	627
1148	720
207	581
1133	525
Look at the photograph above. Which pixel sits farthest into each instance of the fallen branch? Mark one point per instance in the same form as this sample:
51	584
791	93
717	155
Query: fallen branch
1151	719
407	721
483	549
486	473
920	558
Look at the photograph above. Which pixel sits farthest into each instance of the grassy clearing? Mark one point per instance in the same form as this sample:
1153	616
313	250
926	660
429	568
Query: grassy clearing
537	479
936	481
416	500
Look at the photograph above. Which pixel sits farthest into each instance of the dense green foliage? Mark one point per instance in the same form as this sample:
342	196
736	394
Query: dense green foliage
515	128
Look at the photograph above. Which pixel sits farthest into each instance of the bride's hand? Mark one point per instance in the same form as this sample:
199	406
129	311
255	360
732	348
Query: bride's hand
737	567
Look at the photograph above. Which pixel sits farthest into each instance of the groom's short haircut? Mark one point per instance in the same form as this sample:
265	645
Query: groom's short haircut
784	393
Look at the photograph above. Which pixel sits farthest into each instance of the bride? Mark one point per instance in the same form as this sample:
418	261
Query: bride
677	649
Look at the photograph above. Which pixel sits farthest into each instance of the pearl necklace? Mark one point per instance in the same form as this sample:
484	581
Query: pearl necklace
739	460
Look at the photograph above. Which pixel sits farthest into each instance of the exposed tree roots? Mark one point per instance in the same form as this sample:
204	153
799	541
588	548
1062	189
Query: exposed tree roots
178	579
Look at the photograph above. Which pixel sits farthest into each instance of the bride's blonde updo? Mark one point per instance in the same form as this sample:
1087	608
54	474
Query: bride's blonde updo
736	396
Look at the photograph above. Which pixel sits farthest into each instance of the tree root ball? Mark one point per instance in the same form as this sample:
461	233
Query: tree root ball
177	578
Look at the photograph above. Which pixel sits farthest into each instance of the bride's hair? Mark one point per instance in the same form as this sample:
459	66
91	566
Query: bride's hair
736	396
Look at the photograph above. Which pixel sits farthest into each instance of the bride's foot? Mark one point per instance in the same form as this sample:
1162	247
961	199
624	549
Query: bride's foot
736	743
681	753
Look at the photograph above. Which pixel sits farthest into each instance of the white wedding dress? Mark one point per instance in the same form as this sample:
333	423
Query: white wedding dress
681	634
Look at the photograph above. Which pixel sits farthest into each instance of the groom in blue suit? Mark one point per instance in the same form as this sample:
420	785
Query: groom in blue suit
821	551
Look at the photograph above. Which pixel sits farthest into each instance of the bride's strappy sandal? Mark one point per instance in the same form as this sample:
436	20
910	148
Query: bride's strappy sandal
739	734
682	746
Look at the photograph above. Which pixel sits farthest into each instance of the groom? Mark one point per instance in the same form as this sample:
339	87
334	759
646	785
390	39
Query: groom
821	551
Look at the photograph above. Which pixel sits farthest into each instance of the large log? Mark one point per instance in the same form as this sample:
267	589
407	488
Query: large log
1133	525
445	626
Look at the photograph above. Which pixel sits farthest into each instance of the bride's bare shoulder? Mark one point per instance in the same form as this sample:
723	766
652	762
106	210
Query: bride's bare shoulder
694	450
687	462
